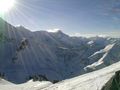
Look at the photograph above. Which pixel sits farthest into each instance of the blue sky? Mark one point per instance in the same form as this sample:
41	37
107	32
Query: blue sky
71	16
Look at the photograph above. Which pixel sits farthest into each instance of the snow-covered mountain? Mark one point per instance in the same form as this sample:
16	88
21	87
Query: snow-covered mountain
55	56
97	80
91	81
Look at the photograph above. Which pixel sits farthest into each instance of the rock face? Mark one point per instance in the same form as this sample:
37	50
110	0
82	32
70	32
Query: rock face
23	45
113	83
56	55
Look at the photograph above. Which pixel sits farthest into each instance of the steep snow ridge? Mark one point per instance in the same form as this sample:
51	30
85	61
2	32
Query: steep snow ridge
108	47
95	64
105	50
91	81
101	60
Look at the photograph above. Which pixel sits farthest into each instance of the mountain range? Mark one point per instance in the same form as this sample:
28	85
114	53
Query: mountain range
56	56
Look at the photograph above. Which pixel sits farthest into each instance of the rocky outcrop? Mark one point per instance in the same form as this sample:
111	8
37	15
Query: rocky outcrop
41	78
113	83
23	44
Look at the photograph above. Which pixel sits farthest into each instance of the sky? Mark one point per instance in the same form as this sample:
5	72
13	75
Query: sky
74	17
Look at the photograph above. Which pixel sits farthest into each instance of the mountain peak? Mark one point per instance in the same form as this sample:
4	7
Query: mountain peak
59	32
20	26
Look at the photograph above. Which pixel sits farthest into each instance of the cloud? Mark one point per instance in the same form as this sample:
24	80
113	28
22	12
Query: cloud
105	34
88	35
53	30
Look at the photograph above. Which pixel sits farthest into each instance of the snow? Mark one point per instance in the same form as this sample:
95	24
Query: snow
90	42
4	82
30	85
56	56
95	64
106	49
101	60
91	81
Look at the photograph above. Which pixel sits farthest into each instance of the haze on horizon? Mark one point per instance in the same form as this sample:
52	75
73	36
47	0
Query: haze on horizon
74	17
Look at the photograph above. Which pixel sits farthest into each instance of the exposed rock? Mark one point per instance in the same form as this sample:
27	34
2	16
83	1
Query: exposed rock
38	78
23	44
113	83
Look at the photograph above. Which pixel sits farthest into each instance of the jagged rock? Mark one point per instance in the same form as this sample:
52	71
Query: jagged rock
23	44
38	78
41	78
113	83
55	81
2	75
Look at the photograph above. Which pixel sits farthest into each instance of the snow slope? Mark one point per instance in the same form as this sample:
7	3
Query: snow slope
30	85
91	81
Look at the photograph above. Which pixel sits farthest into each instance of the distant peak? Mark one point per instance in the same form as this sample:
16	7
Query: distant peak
19	26
22	28
59	31
61	34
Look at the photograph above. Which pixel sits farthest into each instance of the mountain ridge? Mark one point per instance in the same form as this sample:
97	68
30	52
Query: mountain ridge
56	56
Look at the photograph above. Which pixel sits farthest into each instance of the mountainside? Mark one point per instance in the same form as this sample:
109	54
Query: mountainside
54	56
103	79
